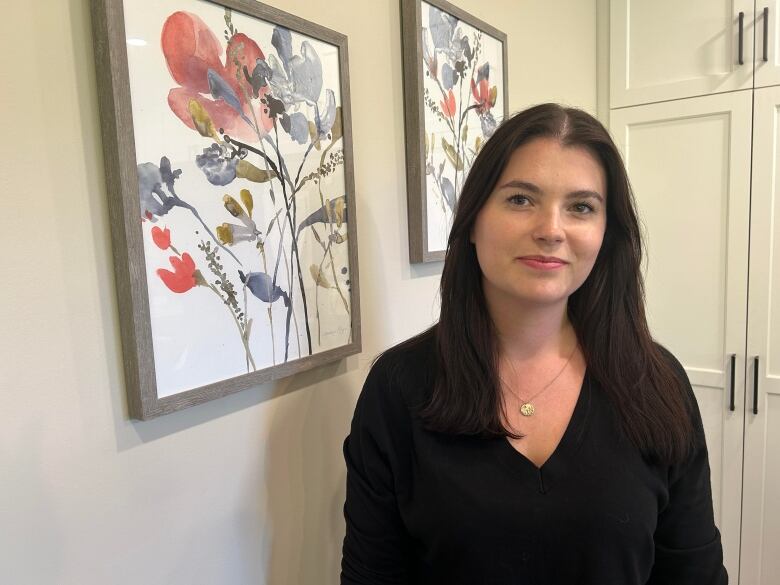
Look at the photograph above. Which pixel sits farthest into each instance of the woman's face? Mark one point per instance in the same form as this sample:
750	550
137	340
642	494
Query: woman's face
538	234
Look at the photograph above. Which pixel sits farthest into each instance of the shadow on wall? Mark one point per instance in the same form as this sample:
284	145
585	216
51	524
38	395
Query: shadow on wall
305	478
288	521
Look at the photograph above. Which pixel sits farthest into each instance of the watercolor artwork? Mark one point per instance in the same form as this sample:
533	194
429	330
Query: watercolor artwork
244	201
456	79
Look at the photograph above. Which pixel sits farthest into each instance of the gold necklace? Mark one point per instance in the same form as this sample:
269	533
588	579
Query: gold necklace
526	407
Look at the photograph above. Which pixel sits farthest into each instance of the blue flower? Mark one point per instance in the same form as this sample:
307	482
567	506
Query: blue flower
218	169
155	188
262	286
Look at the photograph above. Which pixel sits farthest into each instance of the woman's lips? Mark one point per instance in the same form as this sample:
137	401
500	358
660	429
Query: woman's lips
541	265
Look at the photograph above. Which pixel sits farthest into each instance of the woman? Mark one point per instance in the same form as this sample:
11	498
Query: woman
536	434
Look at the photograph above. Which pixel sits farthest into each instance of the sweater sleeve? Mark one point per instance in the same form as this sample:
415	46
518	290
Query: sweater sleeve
688	548
376	548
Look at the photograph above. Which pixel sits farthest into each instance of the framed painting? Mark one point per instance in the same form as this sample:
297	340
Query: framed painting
227	139
455	94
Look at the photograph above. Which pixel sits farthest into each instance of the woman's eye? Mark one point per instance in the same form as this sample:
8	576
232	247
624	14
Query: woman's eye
583	208
518	199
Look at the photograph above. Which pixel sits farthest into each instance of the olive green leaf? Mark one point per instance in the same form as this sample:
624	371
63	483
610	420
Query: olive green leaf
318	276
246	170
314	135
337	130
452	155
202	120
233	206
246	199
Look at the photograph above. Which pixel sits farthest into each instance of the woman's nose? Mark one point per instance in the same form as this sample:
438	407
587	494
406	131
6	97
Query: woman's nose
548	227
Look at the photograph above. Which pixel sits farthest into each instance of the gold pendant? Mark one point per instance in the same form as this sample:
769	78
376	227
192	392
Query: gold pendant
527	409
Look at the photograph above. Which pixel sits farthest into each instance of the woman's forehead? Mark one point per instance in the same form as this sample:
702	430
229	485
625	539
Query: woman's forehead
549	165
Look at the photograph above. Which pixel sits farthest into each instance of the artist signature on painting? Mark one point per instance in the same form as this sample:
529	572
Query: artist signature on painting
340	331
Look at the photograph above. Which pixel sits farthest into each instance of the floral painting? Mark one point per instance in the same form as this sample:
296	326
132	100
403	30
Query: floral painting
242	197
463	100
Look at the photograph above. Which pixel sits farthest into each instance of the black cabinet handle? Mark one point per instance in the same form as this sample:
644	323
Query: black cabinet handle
766	33
741	61
755	385
731	393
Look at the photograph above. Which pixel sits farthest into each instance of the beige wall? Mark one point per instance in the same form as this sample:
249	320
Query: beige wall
243	490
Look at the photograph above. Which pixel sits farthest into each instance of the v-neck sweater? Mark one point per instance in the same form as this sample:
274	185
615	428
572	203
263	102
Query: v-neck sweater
430	508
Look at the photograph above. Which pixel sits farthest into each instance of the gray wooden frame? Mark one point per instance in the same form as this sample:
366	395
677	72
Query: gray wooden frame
122	187
414	107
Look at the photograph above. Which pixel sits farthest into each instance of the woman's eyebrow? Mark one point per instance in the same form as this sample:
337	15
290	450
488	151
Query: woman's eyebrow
521	185
580	193
585	193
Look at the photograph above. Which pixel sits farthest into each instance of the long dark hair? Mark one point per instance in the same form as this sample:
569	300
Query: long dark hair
607	311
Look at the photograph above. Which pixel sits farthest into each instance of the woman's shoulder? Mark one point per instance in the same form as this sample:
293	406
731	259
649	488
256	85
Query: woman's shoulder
670	358
690	397
405	372
678	369
410	356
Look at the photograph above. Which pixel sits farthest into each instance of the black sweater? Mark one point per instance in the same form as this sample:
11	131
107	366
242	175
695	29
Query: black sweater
426	508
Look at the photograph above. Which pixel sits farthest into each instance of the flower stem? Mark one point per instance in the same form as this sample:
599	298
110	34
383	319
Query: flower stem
295	252
270	310
240	329
329	224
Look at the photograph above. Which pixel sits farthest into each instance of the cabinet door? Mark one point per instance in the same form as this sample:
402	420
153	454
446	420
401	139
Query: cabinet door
761	508
667	49
767	48
689	164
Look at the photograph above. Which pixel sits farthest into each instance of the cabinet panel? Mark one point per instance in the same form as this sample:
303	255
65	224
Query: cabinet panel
767	26
666	49
686	216
689	163
761	509
770	529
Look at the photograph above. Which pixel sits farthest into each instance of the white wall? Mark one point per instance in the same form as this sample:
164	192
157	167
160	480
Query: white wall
243	490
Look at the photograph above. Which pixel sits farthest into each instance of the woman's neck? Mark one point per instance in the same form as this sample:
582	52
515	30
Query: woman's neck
528	333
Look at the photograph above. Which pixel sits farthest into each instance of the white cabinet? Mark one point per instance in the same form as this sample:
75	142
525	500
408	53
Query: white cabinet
664	50
700	133
668	49
767	43
761	491
689	163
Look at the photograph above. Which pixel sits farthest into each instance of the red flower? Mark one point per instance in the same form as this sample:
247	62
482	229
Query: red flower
191	50
184	276
484	95
162	238
448	105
